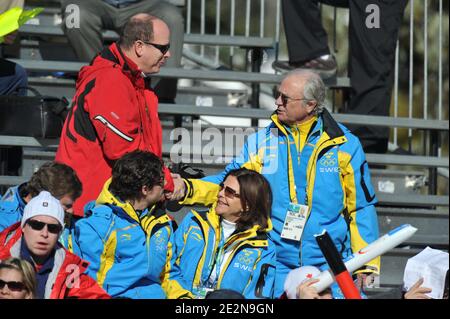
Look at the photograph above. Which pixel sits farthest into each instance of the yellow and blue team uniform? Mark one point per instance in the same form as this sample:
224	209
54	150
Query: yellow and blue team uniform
249	259
127	249
324	169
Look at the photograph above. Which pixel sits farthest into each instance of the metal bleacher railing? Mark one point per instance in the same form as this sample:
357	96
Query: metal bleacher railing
257	30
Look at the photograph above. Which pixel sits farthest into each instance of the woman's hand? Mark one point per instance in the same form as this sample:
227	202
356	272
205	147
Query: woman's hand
306	291
418	292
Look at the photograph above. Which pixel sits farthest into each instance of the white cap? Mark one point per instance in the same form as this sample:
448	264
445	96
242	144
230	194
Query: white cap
43	204
298	276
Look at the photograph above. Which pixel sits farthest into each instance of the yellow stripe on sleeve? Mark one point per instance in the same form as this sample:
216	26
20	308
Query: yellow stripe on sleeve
107	258
356	240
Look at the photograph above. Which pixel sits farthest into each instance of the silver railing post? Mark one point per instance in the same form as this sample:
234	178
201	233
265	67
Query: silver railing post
411	65
262	18
277	29
232	25
218	11
189	16
440	69
425	60
202	24
248	8
395	138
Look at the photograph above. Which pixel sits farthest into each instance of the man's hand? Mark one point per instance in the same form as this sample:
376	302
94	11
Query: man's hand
179	190
418	292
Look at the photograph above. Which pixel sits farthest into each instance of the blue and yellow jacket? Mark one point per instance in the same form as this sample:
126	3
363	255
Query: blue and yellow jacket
329	174
249	268
11	212
127	250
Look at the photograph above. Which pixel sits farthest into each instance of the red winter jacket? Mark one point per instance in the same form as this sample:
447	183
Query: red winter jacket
113	113
67	279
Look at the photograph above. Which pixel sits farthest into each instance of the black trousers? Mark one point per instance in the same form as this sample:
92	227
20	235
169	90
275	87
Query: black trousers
371	58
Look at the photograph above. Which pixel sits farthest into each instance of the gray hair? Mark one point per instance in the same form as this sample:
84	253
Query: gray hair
314	88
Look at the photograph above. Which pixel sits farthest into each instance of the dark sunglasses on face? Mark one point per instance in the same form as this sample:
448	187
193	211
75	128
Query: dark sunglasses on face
12	285
37	225
163	48
229	192
285	99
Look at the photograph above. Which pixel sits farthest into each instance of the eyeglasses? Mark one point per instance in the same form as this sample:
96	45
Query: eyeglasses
163	48
37	225
13	285
285	99
229	192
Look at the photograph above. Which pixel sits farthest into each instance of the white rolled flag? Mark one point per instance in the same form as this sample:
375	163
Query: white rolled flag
380	246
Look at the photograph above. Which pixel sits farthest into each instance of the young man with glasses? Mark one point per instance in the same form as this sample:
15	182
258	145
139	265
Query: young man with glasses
128	237
59	273
114	109
58	179
318	174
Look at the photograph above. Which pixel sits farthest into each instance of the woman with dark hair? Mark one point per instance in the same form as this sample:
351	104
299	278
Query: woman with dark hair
228	246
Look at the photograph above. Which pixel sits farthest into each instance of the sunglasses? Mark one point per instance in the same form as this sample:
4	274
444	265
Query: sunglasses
163	48
285	99
12	285
229	192
37	225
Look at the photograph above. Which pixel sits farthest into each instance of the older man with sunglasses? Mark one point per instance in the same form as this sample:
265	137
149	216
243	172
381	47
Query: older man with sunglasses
59	273
114	110
318	174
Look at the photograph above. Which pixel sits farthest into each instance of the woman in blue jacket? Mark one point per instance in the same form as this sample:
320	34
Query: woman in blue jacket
228	246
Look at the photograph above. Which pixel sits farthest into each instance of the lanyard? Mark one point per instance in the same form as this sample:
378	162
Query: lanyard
291	169
217	262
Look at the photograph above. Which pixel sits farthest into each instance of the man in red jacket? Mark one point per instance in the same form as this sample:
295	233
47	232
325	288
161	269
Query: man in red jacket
114	111
59	273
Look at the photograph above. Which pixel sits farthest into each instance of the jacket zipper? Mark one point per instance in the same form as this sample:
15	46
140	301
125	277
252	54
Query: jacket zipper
308	178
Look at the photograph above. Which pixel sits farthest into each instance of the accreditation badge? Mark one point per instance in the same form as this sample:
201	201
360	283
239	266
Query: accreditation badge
200	292
294	222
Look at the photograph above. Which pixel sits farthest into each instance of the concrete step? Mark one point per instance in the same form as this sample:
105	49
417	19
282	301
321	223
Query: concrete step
398	181
209	97
53	86
432	224
393	265
384	293
181	73
199	96
412	200
45	30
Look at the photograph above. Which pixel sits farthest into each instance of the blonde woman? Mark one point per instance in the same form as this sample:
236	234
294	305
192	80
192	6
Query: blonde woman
17	279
